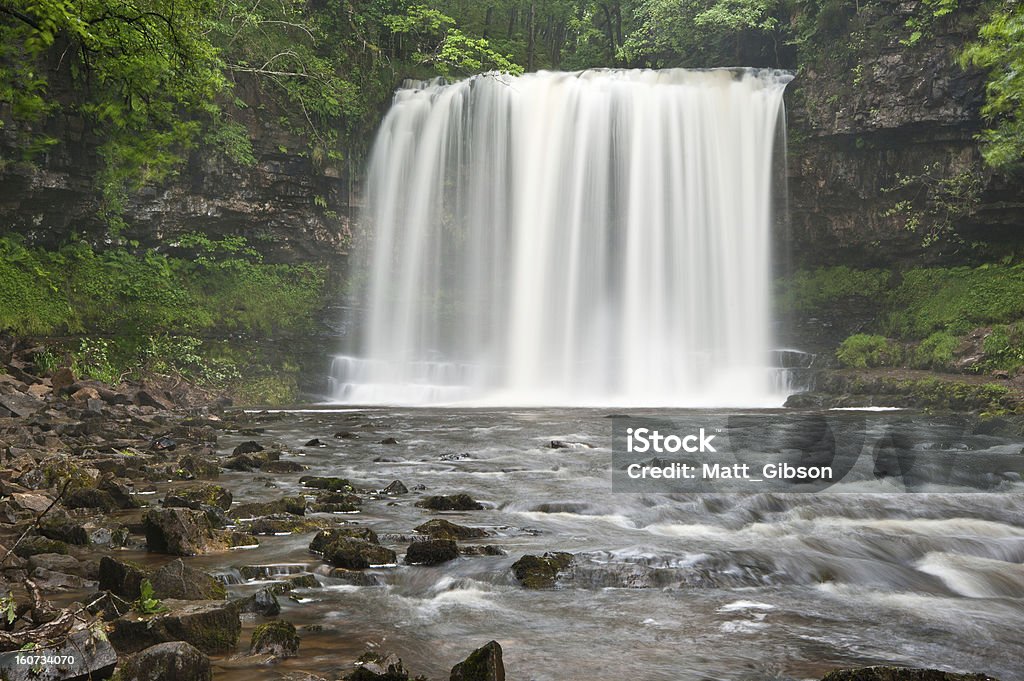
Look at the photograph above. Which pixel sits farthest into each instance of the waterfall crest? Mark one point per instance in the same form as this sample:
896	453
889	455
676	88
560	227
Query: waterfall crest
592	238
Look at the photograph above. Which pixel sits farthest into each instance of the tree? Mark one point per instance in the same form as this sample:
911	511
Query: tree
1000	49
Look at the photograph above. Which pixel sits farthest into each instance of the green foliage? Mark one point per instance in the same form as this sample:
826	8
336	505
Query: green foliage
438	43
697	32
1000	50
7	608
147	603
935	351
95	359
809	290
935	203
1004	348
955	299
863	350
218	285
921	24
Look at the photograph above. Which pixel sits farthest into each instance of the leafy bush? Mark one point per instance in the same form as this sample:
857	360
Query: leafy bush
936	351
863	350
1004	348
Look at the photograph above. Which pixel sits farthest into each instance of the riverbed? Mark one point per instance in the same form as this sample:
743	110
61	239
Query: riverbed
665	586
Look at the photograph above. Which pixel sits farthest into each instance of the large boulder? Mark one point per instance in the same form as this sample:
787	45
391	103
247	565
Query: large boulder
432	552
442	529
886	673
172	661
325	537
483	664
454	502
277	638
121	578
541	572
178	531
211	626
177	580
86	651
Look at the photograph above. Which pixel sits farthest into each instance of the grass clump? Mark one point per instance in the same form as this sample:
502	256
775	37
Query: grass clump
863	350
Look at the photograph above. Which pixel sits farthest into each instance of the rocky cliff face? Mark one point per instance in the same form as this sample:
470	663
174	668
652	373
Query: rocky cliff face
288	206
865	111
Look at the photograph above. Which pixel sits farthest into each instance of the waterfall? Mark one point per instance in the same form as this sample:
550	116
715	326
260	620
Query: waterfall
592	238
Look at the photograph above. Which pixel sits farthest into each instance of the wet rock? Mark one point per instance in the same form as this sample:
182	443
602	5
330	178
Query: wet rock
178	531
283	524
280	467
356	554
346	435
541	572
120	492
180	581
121	578
249	447
566	444
442	529
482	550
332	484
396	488
173	661
885	673
234	539
376	667
431	552
198	467
62	378
355	577
60	527
163	444
483	664
89	498
264	602
277	638
211	626
291	505
336	502
57	562
87	654
315	442
388	441
49	580
325	537
198	496
454	502
32	545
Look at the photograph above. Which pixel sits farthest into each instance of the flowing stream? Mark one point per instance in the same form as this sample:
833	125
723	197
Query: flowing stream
591	238
681	587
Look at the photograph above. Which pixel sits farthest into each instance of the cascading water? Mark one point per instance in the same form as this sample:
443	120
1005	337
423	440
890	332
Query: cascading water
591	238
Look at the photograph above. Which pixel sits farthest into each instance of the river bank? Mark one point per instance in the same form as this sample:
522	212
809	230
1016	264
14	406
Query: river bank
432	530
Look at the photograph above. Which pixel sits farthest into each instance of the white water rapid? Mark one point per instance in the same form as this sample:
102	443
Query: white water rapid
591	238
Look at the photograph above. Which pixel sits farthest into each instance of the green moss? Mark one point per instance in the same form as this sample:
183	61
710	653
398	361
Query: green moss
1004	348
863	350
810	290
955	299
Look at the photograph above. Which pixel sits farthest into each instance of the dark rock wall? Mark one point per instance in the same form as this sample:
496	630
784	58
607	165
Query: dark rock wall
866	109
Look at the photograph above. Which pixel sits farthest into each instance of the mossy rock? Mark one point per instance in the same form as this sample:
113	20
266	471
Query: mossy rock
432	552
333	484
291	505
211	626
173	660
356	554
886	673
122	578
277	638
541	572
196	497
483	664
454	502
442	529
376	667
30	546
325	537
178	580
